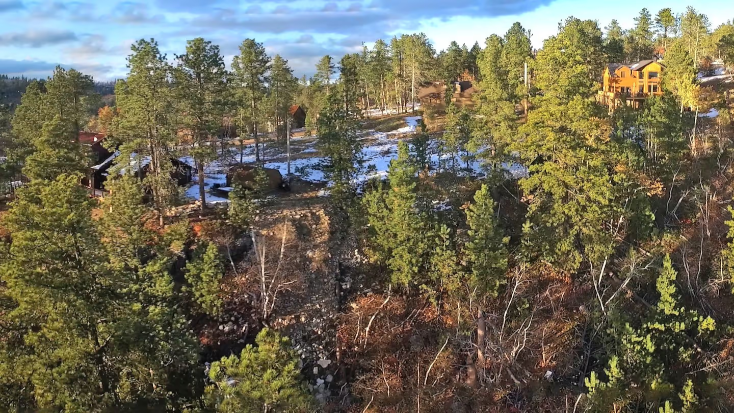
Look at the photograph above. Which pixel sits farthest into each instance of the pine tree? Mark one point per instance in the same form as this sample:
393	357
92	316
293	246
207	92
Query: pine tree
694	30
656	356
204	274
249	77
380	68
146	128
679	76
614	42
83	334
55	153
263	378
485	251
325	70
349	84
516	52
339	144
639	43
566	143
495	127
396	225
200	82
281	91
665	23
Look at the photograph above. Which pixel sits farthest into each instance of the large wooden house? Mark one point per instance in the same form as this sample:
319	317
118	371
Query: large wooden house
631	84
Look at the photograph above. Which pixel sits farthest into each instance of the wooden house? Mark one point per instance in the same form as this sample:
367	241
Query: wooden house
298	117
631	84
101	159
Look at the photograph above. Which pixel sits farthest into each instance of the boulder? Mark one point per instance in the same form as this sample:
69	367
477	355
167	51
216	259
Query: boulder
245	176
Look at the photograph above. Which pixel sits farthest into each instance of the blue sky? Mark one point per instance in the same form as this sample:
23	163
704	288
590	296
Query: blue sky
95	37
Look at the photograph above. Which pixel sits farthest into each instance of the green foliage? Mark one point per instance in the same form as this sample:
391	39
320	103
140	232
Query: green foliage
200	87
145	128
55	153
639	43
242	208
657	357
486	251
679	76
420	143
396	226
262	378
204	274
82	332
339	144
248	80
458	132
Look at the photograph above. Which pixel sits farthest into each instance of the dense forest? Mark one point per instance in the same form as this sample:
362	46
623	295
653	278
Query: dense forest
525	249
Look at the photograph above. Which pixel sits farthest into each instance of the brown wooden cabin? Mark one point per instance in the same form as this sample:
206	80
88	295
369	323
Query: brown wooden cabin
298	117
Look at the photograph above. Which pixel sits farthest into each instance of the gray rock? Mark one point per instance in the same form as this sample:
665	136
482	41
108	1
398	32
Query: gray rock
323	363
329	378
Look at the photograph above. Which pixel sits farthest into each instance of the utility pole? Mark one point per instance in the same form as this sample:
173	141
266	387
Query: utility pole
288	141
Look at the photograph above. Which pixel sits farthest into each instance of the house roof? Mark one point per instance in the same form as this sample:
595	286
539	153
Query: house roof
614	66
293	109
643	63
89	138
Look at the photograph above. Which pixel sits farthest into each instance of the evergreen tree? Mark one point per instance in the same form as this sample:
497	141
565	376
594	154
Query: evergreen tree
282	87
55	153
203	275
146	125
325	70
694	30
486	251
339	144
566	143
263	378
656	356
380	68
639	43
81	334
457	134
516	52
679	76
418	55
665	23
397	227
614	42
249	76
201	84
349	84
495	128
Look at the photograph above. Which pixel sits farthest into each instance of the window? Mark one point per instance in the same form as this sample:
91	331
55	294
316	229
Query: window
652	75
623	73
641	75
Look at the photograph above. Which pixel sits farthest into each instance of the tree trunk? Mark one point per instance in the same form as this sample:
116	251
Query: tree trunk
202	192
412	87
481	332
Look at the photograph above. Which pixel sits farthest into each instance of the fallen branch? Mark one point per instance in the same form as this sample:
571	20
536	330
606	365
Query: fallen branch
434	360
367	329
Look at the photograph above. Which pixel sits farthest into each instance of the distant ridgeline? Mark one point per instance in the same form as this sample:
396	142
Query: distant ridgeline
12	88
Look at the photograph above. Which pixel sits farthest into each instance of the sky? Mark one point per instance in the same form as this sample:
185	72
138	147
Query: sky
95	37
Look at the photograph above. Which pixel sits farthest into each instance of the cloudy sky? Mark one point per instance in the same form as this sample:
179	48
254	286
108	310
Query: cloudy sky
95	37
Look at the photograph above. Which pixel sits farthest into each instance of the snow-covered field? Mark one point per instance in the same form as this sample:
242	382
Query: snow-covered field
378	150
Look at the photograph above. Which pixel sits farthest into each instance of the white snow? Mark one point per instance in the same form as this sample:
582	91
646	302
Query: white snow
710	114
107	161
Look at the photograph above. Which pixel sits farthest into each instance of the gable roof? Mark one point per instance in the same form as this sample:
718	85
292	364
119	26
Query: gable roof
90	138
614	66
643	63
295	108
